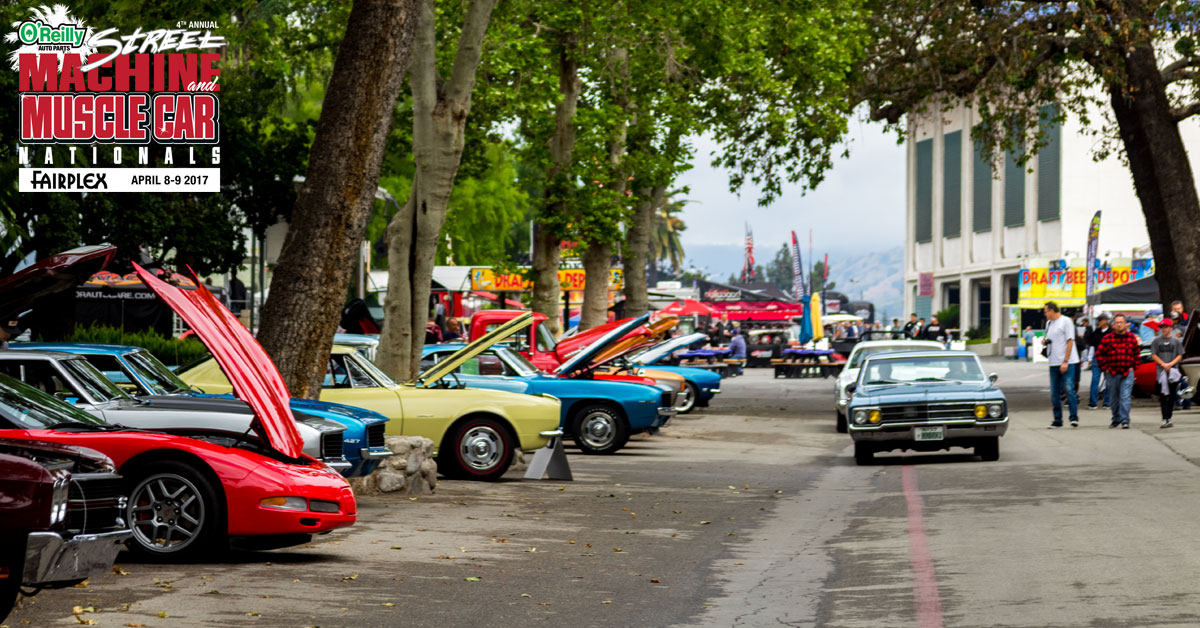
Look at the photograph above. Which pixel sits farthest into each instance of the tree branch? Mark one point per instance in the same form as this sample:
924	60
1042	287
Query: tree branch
1176	71
470	49
423	75
1181	113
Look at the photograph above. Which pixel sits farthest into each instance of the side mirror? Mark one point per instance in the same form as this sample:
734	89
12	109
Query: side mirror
992	377
850	388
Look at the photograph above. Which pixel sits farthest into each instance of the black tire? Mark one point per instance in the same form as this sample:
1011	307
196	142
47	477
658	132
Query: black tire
988	450
842	428
864	453
12	560
171	499
599	429
687	401
479	449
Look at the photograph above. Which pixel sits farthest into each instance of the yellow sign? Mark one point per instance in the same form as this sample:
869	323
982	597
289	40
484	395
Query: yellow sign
569	279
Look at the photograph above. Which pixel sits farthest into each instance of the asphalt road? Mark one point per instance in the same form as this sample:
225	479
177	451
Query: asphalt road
749	513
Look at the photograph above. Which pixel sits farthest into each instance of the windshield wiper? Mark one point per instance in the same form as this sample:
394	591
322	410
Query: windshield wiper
62	425
881	381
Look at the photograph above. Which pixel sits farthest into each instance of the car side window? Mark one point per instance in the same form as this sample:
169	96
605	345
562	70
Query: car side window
428	361
111	368
357	376
39	374
336	375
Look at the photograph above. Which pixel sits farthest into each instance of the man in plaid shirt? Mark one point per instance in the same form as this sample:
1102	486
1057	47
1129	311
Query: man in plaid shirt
1117	355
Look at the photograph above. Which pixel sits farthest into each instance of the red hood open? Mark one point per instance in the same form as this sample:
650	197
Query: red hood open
253	375
49	276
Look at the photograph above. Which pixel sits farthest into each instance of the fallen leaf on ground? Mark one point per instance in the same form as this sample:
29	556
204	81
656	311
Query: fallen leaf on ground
396	547
526	595
617	549
212	592
132	625
120	572
163	614
472	578
252	614
544	603
82	585
606	602
532	549
501	540
353	576
655	580
389	603
704	523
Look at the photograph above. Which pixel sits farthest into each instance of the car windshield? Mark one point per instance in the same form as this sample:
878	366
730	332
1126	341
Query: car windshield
381	378
159	377
31	408
545	339
93	382
518	362
861	353
951	368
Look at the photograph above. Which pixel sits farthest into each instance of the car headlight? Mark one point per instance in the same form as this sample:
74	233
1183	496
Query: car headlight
860	416
867	415
284	503
874	416
981	411
996	410
59	497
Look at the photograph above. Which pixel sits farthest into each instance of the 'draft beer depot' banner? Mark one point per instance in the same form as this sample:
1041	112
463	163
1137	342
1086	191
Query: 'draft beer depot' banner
1066	283
102	110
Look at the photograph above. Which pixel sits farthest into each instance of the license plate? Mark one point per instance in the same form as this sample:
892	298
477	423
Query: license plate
929	433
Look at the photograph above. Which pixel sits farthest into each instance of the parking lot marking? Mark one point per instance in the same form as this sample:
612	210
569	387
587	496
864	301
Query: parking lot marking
925	586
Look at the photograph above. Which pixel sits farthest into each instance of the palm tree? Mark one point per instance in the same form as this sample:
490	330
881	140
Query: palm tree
665	244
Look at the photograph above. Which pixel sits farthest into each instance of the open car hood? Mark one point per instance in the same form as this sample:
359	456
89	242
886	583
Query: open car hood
254	377
49	276
656	353
431	375
589	355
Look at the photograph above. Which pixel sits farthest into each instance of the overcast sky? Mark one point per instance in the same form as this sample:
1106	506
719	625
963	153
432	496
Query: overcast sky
858	208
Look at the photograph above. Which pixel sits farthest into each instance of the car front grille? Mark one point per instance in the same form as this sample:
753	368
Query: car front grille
668	400
375	435
331	445
927	412
95	503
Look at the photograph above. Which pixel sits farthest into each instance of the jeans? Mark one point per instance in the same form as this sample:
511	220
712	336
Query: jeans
1094	397
1121	387
1060	381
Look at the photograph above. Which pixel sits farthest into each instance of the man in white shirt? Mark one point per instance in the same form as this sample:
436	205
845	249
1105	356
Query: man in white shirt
1064	364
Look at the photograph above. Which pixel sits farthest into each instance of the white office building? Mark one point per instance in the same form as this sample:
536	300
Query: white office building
970	229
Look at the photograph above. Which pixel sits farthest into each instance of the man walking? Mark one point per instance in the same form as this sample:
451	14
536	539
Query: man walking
1064	364
1167	351
910	328
934	331
1094	337
1117	355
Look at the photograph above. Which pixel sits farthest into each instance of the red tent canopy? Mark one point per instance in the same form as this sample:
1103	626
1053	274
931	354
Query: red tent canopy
687	307
758	311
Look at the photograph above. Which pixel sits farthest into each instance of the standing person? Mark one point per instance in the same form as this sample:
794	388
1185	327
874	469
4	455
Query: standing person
910	328
1094	337
934	331
1167	351
237	295
1064	364
1177	308
919	330
8	331
1117	355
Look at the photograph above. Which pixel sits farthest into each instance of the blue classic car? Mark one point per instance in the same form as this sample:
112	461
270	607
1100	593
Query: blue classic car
702	384
599	414
143	375
925	401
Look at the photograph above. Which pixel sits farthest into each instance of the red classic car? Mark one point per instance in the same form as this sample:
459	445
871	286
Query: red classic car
188	494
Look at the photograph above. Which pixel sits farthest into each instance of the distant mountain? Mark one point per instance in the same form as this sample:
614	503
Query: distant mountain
877	277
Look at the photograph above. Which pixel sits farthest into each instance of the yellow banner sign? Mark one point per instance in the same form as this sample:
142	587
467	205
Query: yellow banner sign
569	279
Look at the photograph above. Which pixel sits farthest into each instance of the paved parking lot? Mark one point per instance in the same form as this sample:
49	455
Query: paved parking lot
750	513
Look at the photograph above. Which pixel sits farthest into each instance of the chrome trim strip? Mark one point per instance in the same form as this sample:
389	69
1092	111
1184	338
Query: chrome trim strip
49	558
550	433
375	453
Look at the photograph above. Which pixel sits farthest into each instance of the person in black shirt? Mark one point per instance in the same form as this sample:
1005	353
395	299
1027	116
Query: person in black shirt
1092	339
910	328
934	330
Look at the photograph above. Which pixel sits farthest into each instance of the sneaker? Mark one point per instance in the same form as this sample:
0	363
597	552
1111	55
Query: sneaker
1168	423
1074	423
1093	407
1054	426
1124	426
1113	425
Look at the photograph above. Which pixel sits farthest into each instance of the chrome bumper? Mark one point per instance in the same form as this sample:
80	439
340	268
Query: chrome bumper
550	433
337	464
952	430
375	453
49	558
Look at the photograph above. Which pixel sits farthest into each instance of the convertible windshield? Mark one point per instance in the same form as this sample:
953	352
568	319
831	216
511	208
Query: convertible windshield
519	363
94	384
31	408
381	378
956	368
157	375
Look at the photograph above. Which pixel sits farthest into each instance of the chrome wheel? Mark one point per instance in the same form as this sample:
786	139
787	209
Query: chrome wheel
166	513
686	399
481	447
597	430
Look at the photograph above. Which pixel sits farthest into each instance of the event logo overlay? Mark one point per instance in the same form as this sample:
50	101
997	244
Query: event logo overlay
103	111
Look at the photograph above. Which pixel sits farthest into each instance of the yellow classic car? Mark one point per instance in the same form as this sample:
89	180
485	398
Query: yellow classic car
475	431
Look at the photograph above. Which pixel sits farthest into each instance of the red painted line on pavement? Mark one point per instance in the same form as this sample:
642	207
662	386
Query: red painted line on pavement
925	586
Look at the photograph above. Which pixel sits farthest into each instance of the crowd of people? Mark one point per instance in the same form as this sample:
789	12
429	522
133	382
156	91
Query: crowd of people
1111	350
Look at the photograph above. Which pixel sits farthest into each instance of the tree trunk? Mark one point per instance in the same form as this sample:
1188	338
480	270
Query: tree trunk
440	111
1162	177
547	234
637	252
330	216
594	311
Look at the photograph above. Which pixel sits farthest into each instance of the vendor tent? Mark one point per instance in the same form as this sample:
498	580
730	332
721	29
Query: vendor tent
687	307
1144	290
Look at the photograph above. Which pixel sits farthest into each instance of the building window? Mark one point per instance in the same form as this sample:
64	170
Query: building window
1049	166
952	185
985	306
924	226
1014	190
981	190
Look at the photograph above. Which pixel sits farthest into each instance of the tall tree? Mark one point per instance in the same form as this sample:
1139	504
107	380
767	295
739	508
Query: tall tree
440	110
332	207
1020	63
780	271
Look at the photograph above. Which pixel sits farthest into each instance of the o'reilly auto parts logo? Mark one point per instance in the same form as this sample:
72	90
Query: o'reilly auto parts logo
46	37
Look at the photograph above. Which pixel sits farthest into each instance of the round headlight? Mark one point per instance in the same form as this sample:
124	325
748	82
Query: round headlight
860	416
981	411
996	410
